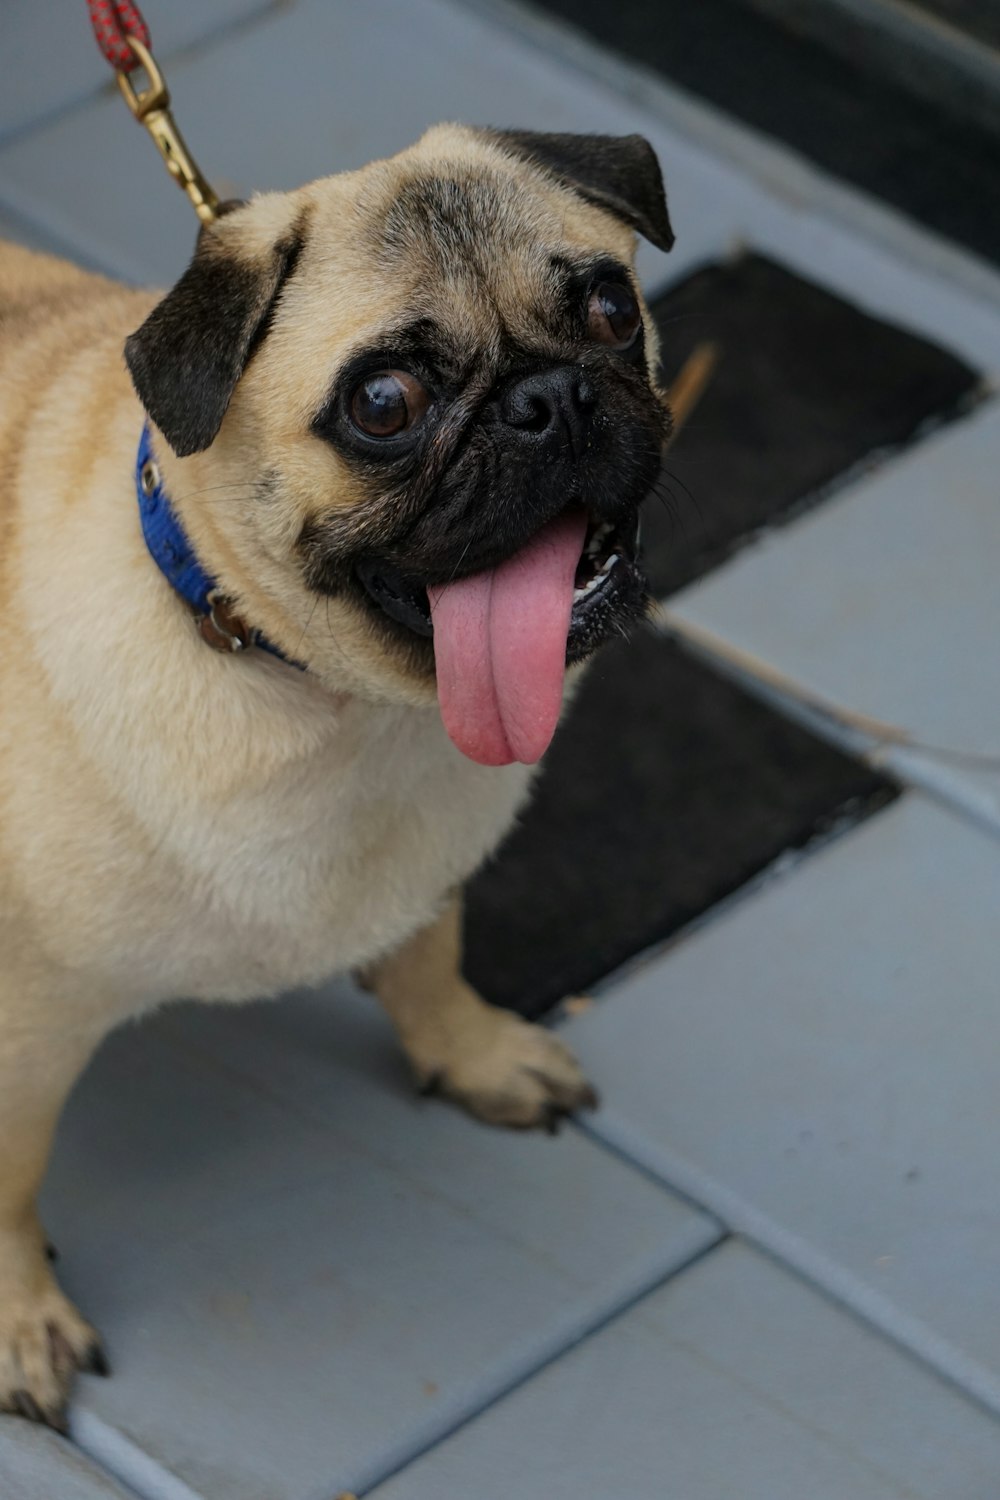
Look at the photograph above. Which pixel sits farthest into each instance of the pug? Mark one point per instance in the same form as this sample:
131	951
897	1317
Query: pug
292	596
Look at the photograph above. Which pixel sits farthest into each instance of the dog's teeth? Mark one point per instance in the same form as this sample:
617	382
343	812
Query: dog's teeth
601	532
584	589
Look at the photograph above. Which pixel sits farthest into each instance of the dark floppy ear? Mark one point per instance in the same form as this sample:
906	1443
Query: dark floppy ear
617	172
186	358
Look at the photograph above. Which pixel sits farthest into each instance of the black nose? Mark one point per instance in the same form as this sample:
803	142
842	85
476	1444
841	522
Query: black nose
550	406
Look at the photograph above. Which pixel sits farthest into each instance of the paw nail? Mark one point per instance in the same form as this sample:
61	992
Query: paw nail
56	1418
51	1253
96	1361
26	1404
590	1098
431	1084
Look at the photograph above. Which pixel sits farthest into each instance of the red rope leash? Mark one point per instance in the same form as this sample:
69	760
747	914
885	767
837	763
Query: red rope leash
113	21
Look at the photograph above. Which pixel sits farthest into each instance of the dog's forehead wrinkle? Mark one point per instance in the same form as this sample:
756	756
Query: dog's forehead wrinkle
485	256
460	217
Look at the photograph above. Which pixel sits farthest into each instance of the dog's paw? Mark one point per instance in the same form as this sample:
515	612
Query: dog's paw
43	1342
507	1071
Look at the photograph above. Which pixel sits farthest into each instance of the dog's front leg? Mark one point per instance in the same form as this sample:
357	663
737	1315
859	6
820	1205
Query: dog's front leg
499	1067
43	1339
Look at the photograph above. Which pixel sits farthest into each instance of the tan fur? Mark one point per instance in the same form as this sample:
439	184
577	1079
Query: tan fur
178	822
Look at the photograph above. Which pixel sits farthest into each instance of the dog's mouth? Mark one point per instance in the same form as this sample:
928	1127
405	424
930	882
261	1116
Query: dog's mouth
607	570
503	637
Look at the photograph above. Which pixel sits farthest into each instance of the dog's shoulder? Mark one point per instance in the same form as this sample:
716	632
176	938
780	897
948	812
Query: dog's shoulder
31	281
38	290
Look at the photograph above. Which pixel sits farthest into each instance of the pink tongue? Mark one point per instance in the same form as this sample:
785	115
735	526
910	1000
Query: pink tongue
500	647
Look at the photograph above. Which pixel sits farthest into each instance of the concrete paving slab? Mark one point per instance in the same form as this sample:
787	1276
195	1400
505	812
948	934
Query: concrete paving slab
733	1380
37	1465
885	599
819	1066
50	61
304	1274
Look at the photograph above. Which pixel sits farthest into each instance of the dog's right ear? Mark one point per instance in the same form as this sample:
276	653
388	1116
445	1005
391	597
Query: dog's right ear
186	358
617	172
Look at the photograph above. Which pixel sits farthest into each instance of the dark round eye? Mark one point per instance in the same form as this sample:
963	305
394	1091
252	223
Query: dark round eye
613	314
388	402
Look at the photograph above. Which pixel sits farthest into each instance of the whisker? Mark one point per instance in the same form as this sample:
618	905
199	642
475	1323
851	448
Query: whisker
246	492
332	634
461	560
671	505
676	478
305	631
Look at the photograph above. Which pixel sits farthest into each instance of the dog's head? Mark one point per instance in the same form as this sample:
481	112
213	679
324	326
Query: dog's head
429	387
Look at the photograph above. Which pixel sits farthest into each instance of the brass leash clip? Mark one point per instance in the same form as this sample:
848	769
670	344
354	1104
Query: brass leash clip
152	109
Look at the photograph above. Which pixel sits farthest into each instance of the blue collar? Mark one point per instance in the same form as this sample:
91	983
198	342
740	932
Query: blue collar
171	550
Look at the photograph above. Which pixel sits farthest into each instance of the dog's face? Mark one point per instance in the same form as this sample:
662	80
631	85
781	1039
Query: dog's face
449	420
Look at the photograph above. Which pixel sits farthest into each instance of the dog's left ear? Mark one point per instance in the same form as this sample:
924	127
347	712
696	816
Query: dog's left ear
617	172
186	358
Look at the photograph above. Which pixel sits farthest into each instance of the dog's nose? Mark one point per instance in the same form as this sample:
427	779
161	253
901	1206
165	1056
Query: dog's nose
551	405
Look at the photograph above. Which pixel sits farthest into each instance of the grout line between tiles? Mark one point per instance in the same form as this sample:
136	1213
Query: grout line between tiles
914	768
830	231
839	237
52	241
125	1461
780	868
222	32
936	424
698	1237
118	1455
935	58
844	1288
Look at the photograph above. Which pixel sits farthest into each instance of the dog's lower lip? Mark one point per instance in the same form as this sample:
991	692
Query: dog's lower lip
402	599
607	567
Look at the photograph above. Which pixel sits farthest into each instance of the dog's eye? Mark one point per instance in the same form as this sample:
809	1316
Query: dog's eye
613	315
388	402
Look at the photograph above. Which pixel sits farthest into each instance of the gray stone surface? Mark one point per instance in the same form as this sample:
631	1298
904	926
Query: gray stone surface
300	1268
822	1064
885	599
735	1380
323	86
306	1275
251	127
37	1465
49	58
12	227
24	231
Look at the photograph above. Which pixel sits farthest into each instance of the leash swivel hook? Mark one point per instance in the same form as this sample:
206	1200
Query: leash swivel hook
151	108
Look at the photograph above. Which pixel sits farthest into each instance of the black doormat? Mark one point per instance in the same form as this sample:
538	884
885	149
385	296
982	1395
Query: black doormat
853	122
667	789
979	19
805	388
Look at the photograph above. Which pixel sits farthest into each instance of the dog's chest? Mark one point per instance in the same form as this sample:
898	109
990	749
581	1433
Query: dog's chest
332	862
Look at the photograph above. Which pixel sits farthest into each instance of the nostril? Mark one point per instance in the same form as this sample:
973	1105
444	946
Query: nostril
549	402
530	412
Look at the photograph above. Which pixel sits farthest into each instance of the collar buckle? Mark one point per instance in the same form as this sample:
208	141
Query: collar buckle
221	628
